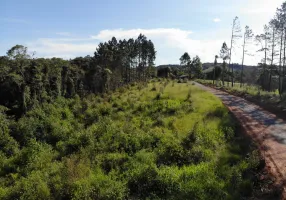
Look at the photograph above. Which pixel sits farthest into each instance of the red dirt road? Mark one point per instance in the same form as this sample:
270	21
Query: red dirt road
268	131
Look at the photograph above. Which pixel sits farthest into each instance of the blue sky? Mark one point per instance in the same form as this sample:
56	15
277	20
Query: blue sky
70	28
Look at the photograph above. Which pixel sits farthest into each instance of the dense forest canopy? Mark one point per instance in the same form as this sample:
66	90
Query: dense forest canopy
26	81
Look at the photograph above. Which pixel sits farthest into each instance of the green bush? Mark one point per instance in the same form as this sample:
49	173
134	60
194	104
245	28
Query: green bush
128	144
98	186
33	187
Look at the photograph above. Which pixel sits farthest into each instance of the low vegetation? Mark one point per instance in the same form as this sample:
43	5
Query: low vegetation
249	89
252	92
161	140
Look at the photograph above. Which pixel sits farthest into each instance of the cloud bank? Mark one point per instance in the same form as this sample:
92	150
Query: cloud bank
170	44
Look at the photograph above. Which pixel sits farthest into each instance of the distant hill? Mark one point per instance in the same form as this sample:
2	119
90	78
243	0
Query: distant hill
169	65
235	66
209	66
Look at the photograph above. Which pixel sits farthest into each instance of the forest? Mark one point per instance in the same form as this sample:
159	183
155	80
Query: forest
27	82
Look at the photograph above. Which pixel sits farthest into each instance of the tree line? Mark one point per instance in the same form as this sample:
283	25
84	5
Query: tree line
26	81
272	46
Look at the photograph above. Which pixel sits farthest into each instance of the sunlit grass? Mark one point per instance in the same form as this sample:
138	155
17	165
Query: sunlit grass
253	90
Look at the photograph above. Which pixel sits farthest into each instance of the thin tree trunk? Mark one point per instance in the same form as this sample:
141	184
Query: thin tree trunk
272	58
223	72
232	78
230	53
241	75
280	61
283	68
214	76
265	63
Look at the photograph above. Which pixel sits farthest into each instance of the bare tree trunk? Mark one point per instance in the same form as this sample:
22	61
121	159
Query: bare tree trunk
214	76
284	56
263	79
223	72
232	78
272	58
230	53
280	61
241	75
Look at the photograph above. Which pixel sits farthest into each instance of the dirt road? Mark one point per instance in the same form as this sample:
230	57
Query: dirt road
268	131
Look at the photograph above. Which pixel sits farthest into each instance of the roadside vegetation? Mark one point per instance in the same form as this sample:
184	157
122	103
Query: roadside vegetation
270	100
161	140
245	89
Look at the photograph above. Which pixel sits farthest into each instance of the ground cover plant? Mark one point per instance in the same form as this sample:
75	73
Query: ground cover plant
156	140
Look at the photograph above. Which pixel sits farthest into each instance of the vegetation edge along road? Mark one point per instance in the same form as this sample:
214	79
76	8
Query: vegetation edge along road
268	131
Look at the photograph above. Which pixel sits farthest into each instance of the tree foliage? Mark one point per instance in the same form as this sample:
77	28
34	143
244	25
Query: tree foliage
26	82
193	67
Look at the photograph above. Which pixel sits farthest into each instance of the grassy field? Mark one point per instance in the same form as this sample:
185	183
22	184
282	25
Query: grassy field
246	89
162	140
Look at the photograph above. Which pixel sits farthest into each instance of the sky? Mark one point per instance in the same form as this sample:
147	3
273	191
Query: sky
71	28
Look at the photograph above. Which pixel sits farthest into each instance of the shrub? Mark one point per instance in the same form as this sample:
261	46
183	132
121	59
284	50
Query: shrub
159	122
135	145
170	151
142	175
98	186
104	109
33	187
112	161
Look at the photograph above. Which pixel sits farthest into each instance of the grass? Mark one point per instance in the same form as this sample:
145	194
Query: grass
246	88
161	140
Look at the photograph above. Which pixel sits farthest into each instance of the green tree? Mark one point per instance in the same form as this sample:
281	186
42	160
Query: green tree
214	69
224	55
185	59
196	67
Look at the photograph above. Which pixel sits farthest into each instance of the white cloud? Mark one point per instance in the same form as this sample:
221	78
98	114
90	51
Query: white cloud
132	33
63	48
169	44
216	20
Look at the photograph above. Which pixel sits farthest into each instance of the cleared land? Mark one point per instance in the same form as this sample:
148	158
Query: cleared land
161	140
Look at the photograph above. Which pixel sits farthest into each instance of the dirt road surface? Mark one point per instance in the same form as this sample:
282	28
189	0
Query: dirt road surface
267	130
